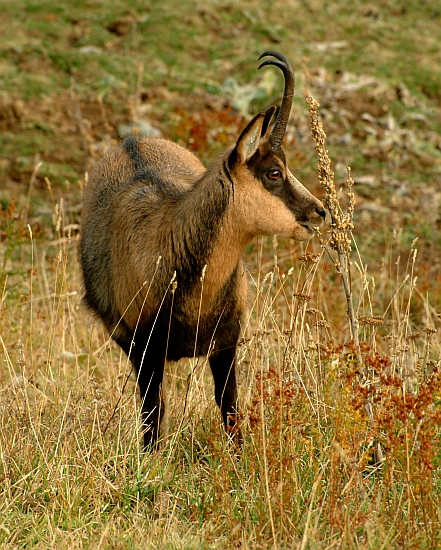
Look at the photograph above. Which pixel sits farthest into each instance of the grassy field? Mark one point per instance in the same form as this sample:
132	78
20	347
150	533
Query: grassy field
76	76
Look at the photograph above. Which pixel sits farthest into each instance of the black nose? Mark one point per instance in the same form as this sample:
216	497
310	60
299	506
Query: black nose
321	212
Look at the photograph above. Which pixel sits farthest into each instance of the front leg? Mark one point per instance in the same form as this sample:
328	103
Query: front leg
223	367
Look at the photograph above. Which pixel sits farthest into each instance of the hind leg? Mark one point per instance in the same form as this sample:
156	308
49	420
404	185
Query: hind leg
122	335
150	383
149	367
148	364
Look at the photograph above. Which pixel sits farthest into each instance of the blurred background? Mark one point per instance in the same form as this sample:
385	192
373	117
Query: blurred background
77	76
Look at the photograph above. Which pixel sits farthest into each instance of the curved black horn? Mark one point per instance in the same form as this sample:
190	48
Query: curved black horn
279	129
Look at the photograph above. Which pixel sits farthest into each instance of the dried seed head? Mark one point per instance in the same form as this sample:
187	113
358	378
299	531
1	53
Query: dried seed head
376	320
302	296
341	223
309	259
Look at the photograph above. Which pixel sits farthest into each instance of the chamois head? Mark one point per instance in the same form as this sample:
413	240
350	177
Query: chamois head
274	201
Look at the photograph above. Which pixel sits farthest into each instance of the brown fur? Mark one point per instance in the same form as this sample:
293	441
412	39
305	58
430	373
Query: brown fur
161	245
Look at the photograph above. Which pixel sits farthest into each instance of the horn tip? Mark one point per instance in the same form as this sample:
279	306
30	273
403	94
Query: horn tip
264	54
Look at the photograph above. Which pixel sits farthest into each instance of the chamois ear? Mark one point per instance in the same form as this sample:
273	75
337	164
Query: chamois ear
248	141
266	122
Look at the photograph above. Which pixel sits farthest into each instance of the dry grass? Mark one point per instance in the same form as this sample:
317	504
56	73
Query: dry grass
71	467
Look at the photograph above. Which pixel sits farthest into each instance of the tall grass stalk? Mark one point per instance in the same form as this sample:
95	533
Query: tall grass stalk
340	229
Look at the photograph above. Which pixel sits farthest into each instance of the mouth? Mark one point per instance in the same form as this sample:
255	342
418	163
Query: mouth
307	227
304	232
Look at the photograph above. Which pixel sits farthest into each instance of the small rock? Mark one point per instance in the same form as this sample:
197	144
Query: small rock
140	127
334	45
405	96
365	180
90	49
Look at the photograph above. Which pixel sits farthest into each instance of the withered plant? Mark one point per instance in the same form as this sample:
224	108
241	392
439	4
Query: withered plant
340	238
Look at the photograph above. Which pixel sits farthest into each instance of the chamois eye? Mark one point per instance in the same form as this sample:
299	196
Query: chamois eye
274	175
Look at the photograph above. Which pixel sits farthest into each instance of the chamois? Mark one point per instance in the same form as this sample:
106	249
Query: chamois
161	245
